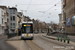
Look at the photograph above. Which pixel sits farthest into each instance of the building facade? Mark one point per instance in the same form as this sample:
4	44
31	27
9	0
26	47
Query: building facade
68	11
2	22
60	20
19	17
12	19
5	19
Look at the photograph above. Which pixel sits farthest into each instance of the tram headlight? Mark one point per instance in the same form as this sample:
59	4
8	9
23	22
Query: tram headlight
22	34
31	34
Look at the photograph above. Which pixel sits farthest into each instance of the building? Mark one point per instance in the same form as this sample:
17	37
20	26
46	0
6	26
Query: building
0	30
60	20
12	12
19	17
68	11
27	18
5	19
2	22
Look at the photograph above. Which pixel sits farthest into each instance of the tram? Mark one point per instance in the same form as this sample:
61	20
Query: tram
27	30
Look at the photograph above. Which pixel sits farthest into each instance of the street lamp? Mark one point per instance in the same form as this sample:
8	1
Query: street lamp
42	12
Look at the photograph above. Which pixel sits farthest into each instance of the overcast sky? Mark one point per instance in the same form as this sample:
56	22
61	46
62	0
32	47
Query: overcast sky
36	6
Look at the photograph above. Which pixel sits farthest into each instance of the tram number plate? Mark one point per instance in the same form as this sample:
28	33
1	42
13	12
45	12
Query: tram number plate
27	35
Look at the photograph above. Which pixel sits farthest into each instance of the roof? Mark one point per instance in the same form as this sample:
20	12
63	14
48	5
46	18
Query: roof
3	6
28	22
13	8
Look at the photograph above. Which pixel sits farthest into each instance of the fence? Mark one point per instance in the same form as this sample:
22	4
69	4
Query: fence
11	35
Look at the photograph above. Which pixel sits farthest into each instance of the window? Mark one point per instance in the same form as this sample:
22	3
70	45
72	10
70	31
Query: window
13	18
68	22
13	11
13	25
18	25
27	28
63	0
2	20
10	25
2	13
63	6
62	18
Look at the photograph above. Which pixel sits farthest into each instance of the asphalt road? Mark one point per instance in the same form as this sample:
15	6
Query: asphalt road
45	43
5	46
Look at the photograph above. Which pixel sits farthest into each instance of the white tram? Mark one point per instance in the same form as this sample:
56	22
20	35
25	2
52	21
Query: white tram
27	30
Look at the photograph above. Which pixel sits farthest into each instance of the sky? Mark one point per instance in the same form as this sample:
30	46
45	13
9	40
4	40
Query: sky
36	8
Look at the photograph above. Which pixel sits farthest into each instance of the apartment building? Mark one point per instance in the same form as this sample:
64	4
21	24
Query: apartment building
27	18
19	17
12	19
68	11
5	19
0	30
2	20
60	20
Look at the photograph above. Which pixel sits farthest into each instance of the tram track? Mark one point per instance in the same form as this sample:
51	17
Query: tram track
31	46
27	45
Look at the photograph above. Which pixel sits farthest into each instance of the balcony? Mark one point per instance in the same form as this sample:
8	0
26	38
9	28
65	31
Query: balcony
12	28
5	19
2	15
63	21
63	3
6	14
2	25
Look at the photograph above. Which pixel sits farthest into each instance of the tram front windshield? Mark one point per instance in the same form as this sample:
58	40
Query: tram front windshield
27	28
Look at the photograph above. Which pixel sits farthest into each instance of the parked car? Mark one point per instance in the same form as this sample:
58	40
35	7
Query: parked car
36	32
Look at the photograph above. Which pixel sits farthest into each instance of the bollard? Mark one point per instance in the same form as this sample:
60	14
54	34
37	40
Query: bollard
64	39
61	39
68	40
58	38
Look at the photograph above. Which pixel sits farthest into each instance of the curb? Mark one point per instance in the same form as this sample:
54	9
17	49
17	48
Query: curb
50	37
12	39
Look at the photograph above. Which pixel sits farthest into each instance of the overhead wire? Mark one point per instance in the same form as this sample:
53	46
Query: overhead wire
50	8
28	5
33	4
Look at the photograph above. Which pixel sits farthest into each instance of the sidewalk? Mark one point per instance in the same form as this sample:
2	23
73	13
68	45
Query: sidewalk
1	36
14	38
19	45
55	38
72	38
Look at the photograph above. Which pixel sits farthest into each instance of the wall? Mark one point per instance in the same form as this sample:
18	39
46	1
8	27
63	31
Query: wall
70	11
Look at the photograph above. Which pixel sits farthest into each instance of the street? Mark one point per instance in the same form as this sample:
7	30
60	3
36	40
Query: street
38	43
37	25
4	45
